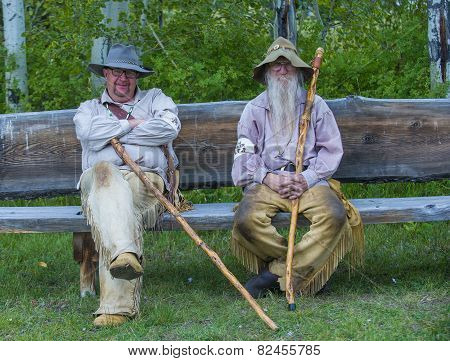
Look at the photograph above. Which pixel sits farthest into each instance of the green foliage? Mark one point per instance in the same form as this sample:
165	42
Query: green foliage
58	41
209	48
375	49
205	50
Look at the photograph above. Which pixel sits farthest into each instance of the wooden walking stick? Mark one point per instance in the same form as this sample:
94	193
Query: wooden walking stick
171	208
304	123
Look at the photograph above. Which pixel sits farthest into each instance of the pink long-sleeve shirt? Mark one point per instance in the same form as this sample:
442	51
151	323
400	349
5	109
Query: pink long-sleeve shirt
259	151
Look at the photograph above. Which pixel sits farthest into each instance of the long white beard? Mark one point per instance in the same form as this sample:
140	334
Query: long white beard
282	94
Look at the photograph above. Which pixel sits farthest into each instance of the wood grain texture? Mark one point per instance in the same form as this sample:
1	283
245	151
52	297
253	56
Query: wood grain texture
384	140
219	216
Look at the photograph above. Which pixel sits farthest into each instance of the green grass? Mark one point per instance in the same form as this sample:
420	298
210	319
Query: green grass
401	294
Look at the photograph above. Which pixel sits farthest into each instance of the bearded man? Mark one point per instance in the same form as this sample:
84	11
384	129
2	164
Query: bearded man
114	200
264	164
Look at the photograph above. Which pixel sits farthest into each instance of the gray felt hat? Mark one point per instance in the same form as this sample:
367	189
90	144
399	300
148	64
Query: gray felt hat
122	57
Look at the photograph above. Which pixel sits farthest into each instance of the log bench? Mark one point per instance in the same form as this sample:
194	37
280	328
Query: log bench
384	141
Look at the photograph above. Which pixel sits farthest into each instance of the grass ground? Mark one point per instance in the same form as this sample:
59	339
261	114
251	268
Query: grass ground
401	294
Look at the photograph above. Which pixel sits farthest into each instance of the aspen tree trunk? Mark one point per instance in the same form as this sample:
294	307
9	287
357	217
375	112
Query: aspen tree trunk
285	23
101	45
439	42
160	14
15	61
144	16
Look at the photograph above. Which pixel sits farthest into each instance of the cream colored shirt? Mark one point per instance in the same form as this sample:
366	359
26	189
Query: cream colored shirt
95	127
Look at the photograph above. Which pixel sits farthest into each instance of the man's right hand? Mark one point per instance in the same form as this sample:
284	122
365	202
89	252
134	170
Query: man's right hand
287	185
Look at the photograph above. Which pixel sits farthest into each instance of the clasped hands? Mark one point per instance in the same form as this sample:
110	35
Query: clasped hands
286	184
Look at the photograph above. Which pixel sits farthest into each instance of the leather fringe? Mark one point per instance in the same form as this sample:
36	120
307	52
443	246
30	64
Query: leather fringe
181	203
357	253
356	256
248	259
137	296
152	218
350	244
103	252
344	246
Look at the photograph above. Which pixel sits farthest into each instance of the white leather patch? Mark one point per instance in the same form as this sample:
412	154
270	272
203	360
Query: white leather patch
171	119
244	145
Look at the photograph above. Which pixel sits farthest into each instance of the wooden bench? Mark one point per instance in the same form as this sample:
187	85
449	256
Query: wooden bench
384	141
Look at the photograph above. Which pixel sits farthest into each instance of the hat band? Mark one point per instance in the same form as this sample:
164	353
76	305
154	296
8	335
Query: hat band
277	46
124	61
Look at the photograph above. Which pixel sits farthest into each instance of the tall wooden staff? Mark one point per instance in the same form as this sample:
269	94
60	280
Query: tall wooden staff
213	255
304	122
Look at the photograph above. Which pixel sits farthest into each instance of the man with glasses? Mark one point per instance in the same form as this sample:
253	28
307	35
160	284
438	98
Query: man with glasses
264	164
116	203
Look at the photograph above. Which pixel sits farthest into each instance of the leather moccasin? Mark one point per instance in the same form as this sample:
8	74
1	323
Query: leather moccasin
109	320
126	267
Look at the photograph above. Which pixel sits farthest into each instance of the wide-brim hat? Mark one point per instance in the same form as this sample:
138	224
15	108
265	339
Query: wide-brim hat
122	57
281	47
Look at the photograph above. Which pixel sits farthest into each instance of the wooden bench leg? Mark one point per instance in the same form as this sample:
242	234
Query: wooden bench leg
84	253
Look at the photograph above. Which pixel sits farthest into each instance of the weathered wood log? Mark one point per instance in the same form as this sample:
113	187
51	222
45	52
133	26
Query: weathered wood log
384	140
219	216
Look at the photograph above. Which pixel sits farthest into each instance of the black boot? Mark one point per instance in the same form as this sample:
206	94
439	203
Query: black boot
259	285
326	289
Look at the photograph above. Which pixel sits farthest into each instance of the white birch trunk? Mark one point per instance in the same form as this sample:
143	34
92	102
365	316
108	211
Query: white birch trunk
439	42
101	45
16	61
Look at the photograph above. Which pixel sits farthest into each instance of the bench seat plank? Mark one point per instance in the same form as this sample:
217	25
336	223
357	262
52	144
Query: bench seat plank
219	216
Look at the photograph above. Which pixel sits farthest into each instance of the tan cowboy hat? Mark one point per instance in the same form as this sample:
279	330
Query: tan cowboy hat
122	57
281	47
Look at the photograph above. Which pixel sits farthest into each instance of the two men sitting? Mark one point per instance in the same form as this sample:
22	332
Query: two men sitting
118	206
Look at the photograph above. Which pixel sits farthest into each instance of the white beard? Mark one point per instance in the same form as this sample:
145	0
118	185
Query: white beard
282	94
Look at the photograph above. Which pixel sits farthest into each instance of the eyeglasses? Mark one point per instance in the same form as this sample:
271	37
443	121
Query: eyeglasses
277	65
131	74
